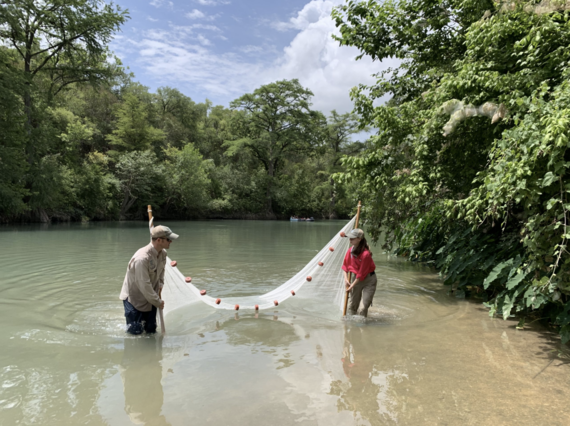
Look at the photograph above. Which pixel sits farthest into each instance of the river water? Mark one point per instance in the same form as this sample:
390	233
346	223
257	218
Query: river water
423	358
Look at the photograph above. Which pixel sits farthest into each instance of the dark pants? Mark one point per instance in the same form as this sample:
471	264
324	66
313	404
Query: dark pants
139	321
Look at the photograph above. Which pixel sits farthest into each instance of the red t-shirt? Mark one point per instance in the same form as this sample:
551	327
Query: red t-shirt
360	265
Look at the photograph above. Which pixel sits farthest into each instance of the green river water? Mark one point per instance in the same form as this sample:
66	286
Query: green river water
423	358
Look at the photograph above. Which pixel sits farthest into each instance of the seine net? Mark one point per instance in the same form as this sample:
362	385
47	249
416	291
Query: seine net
325	283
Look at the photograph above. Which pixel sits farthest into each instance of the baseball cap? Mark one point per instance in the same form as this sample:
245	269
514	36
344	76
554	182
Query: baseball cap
355	233
163	232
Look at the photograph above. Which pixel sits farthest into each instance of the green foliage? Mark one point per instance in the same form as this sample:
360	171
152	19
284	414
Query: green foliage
133	131
80	139
274	122
483	199
187	180
12	138
141	179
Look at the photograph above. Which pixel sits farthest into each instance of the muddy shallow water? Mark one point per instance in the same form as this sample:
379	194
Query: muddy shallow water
423	358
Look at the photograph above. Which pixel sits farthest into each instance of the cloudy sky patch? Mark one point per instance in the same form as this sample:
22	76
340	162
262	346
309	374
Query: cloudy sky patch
220	50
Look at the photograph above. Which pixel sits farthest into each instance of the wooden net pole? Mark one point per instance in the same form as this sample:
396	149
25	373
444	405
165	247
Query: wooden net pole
351	274
160	313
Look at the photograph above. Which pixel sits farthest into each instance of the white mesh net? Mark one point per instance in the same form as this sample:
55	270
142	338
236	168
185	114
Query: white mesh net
325	285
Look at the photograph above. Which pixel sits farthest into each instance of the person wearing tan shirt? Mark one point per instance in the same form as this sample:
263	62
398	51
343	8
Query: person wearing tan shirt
144	280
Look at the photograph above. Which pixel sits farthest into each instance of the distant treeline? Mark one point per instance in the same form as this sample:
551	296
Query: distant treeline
81	140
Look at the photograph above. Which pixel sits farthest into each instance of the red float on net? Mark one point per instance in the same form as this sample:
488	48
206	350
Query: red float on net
321	263
218	301
275	302
188	279
202	292
309	278
331	248
173	263
237	308
342	234
293	292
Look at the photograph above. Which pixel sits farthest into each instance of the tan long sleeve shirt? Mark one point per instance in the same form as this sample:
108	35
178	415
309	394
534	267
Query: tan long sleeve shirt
144	278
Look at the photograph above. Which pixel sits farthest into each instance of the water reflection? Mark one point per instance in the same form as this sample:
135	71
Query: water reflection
366	393
141	372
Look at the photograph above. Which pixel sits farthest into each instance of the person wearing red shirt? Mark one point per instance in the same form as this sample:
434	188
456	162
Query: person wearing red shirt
358	260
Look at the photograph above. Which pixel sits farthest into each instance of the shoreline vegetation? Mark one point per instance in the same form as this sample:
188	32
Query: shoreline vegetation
468	170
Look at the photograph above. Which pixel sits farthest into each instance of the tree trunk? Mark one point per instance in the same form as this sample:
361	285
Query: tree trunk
268	199
128	202
332	205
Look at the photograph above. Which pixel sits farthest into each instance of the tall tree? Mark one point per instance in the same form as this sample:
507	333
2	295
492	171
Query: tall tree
340	128
12	162
66	40
275	121
134	132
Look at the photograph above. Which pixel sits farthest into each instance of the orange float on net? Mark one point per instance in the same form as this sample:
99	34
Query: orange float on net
173	263
342	234
257	307
309	278
237	308
275	302
321	263
218	301
331	248
202	292
188	279
293	292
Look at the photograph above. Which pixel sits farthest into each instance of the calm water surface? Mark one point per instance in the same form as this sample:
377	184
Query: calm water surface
424	358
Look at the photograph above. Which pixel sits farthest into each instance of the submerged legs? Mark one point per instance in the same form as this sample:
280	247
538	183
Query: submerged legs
364	291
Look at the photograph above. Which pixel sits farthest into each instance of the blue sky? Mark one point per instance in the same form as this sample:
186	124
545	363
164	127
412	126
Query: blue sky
221	49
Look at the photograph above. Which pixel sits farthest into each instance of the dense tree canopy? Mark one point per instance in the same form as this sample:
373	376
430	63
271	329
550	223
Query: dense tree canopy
80	139
469	168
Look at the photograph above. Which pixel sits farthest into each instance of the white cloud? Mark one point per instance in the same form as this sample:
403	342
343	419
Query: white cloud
203	40
197	14
206	27
159	3
188	59
211	2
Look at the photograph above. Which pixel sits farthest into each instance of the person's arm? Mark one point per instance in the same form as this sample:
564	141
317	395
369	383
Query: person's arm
345	269
161	278
356	281
142	280
364	269
346	279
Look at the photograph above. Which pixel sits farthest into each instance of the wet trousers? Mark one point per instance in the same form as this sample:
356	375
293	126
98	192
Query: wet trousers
363	291
138	321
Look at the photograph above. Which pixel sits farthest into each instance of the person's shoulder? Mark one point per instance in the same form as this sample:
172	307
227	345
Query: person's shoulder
144	252
366	253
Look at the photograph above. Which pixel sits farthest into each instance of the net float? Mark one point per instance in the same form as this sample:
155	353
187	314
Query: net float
342	234
173	263
257	307
188	279
202	292
309	278
293	292
218	301
275	302
331	248
321	263
237	308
